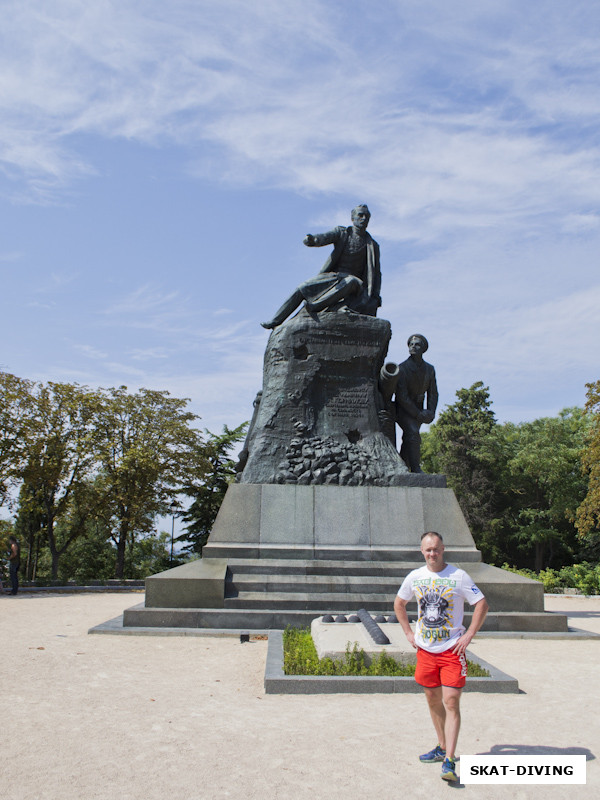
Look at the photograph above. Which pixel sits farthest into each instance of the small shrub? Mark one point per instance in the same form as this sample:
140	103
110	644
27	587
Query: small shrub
476	670
585	577
551	580
300	658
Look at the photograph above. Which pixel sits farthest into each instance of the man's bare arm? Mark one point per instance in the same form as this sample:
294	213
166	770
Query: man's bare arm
402	617
479	612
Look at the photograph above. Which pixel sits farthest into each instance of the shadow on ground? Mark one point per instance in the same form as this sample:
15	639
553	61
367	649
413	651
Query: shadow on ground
537	750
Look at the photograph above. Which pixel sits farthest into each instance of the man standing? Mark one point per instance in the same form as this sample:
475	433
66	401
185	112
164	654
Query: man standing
441	641
416	380
14	559
351	275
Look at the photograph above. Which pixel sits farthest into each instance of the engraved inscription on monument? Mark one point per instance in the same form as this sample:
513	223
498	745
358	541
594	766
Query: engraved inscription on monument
350	403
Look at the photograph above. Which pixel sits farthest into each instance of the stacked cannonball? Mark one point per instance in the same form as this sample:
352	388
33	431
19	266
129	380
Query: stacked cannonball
315	460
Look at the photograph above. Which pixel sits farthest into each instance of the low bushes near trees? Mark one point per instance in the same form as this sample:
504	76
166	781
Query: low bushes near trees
300	658
584	577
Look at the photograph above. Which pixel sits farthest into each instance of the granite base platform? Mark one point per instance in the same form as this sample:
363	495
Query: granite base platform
282	555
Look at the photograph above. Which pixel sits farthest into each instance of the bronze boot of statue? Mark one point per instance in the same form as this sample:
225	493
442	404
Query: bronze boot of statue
410	453
290	305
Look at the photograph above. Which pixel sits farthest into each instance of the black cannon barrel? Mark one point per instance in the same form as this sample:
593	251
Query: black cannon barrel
372	627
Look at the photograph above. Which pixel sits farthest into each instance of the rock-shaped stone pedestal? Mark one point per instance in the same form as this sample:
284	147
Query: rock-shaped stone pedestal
319	420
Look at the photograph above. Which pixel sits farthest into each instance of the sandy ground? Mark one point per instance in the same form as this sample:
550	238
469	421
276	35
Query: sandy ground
143	717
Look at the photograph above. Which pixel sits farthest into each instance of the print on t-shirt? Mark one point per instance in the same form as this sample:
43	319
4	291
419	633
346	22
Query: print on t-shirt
440	599
436	605
433	608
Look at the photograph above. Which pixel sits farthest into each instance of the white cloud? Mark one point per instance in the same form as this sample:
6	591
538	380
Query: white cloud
442	115
120	368
580	223
143	300
37	304
90	352
176	320
148	353
10	257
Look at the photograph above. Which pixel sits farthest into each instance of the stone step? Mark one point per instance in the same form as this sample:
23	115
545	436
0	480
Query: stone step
309	584
348	594
275	566
389	554
278	619
505	592
331	601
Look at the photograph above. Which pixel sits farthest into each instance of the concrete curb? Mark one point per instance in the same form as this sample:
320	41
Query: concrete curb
277	682
115	627
137	588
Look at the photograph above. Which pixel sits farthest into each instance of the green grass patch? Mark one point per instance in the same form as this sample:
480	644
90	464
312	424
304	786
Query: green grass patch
300	658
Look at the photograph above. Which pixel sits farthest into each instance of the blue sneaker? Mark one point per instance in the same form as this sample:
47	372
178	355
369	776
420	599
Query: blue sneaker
437	754
449	770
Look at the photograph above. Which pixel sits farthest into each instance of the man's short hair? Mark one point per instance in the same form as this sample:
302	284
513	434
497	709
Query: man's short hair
421	337
362	205
433	533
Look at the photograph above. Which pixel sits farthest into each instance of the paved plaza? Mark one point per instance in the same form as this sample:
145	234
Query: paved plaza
88	717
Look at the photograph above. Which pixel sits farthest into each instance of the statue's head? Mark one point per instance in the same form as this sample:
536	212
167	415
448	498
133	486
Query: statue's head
418	343
360	217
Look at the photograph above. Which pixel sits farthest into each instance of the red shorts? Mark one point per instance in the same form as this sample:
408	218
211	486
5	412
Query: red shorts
441	669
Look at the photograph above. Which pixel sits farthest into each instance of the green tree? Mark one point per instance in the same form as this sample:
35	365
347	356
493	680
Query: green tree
60	458
92	555
462	446
15	418
542	486
29	529
6	530
147	451
149	554
587	518
209	488
518	485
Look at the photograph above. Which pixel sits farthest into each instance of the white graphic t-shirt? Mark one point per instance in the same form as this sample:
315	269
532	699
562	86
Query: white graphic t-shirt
440	597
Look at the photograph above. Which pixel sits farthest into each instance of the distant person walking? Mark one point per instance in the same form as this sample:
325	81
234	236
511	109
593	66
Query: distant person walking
441	641
14	560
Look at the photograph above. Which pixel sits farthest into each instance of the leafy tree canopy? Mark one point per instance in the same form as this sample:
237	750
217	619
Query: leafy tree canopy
147	450
208	489
518	485
15	418
588	514
105	461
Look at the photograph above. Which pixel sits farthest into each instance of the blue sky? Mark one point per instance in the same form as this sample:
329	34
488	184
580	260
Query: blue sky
160	164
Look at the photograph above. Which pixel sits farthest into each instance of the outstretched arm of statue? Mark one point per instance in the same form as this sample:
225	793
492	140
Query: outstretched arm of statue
321	239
